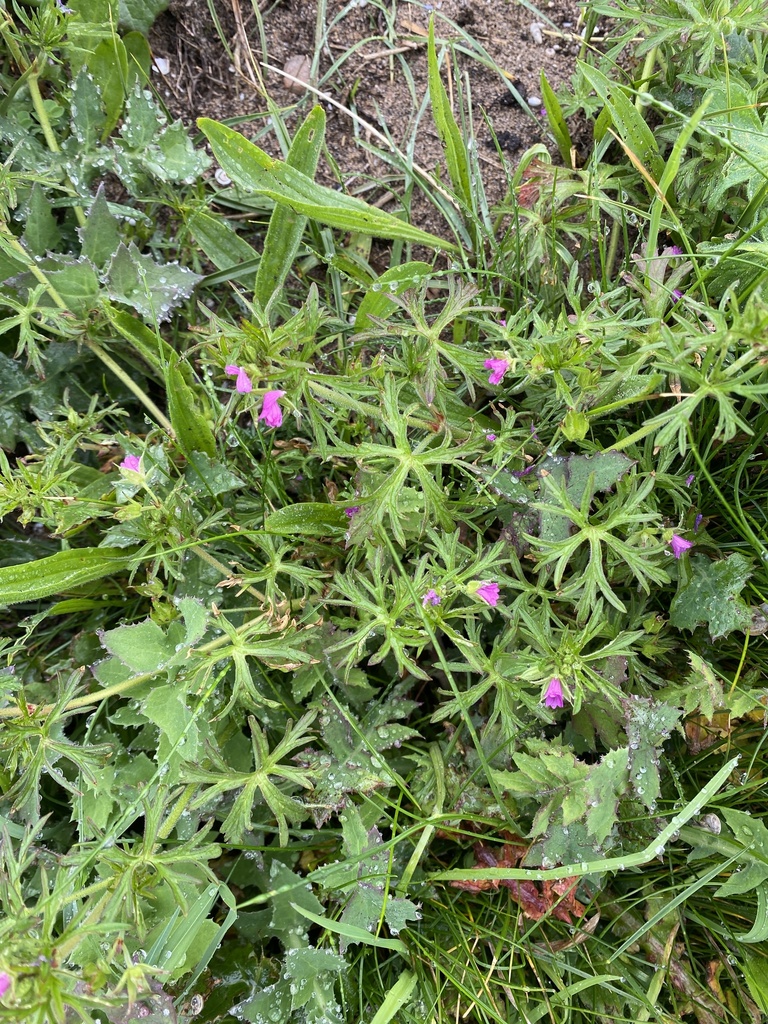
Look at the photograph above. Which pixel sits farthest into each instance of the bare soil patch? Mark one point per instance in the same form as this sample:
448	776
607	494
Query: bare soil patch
373	62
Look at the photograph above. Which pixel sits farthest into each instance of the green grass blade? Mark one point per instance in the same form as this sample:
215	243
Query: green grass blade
557	121
350	932
562	997
449	132
600	864
759	930
395	998
667	908
257	172
286	226
671	169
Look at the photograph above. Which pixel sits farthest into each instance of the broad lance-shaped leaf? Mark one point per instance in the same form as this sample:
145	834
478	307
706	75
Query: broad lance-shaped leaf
378	301
140	14
192	428
628	122
41	232
285	225
222	244
65	570
255	171
307	518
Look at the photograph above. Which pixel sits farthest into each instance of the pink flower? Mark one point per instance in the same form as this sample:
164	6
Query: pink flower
679	545
553	698
490	437
351	511
498	368
431	597
689	479
243	382
132	462
488	592
5	983
271	412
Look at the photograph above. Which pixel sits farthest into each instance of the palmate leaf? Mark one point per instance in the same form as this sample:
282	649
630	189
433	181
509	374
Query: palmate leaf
351	762
257	786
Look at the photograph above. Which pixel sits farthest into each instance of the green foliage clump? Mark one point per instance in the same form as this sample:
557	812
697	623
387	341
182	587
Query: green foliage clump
375	637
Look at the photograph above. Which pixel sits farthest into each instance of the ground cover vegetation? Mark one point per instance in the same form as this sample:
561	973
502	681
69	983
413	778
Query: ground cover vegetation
383	610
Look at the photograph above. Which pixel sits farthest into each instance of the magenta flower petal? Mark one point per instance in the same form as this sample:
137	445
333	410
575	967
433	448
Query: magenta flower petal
351	511
553	698
243	383
498	368
5	983
488	592
431	597
689	479
132	462
271	412
490	437
679	545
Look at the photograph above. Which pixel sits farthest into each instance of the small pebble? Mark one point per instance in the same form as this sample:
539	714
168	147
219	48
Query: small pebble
535	29
222	177
298	67
162	65
550	51
533	101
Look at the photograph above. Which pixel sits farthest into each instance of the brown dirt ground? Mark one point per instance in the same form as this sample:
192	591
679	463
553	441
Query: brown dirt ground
370	58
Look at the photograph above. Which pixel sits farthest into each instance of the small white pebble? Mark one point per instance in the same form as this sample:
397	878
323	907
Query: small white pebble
533	101
549	51
535	29
162	65
222	177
